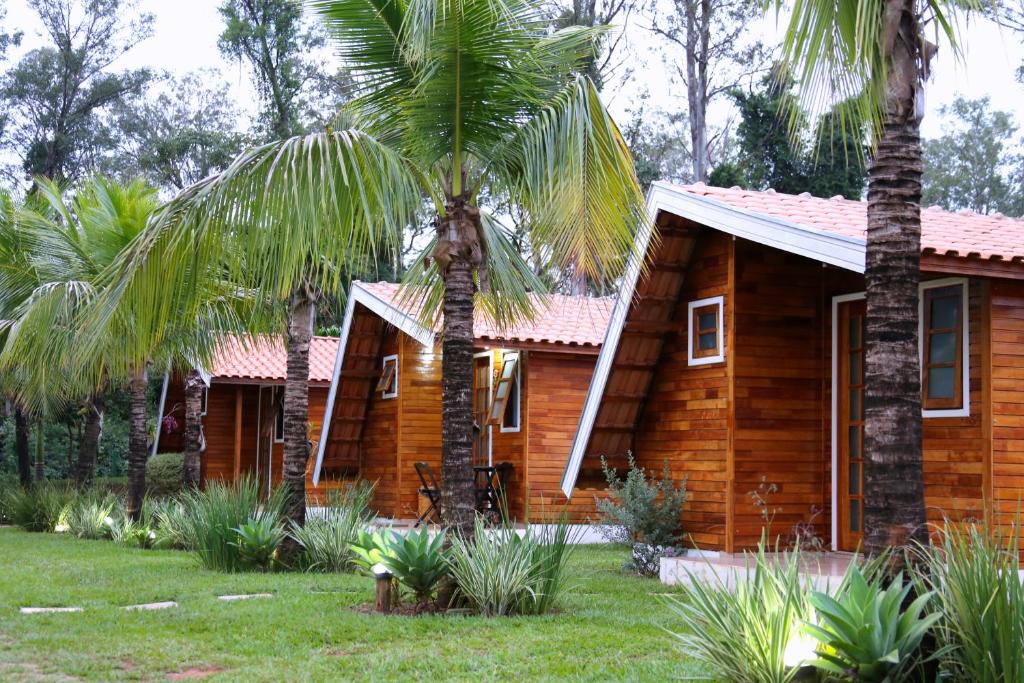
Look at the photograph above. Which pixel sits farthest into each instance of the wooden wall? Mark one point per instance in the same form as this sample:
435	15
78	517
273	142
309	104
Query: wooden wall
1007	396
379	445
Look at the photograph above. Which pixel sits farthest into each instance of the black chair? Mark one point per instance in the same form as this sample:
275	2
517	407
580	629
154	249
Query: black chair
428	488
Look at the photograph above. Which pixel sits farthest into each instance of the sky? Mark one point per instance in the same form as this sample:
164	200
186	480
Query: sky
185	39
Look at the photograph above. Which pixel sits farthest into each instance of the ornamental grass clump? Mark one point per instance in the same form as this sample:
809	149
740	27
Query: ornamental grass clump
89	515
974	574
39	506
326	539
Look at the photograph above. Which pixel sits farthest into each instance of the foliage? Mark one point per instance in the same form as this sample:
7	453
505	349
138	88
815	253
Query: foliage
370	548
170	519
257	541
974	573
141	534
642	510
38	507
89	515
327	538
418	561
553	542
214	514
164	474
866	633
739	626
975	164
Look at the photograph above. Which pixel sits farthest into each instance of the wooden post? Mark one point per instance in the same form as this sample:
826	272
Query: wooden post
383	603
238	432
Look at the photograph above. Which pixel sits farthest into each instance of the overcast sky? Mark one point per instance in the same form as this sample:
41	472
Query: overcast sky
185	39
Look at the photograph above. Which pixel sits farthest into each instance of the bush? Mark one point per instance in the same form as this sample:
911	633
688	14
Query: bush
257	541
89	515
327	540
742	632
165	473
978	593
370	548
38	507
169	519
418	562
642	512
139	534
213	515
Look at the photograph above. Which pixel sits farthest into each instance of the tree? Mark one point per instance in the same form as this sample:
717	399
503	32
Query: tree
709	33
600	14
656	142
180	135
875	54
56	95
972	165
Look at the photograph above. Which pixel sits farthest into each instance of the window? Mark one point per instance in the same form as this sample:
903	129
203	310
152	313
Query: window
279	418
204	401
944	359
705	334
388	383
505	407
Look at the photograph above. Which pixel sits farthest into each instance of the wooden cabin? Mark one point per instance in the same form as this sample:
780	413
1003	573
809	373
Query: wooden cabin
243	420
737	356
384	407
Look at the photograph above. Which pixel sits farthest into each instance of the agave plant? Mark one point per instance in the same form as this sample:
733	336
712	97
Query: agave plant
371	547
258	541
417	561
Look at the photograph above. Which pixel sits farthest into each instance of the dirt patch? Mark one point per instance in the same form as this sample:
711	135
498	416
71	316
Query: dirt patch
127	665
404	610
194	673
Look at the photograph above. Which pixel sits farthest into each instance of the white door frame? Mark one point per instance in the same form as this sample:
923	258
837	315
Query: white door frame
490	392
836	300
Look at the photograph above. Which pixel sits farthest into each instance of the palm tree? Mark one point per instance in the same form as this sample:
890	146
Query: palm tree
875	53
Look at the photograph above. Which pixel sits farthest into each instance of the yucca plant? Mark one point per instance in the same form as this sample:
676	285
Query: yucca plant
742	632
552	544
418	562
493	570
974	572
327	539
865	632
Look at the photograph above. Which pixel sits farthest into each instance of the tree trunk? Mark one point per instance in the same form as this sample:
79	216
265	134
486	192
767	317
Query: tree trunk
89	446
193	428
698	36
301	317
894	512
21	431
138	445
40	473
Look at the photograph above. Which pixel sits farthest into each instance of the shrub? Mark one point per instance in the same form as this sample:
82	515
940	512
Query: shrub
170	521
39	507
257	541
973	571
327	539
865	632
552	547
213	515
642	511
89	515
165	473
742	632
418	562
370	548
140	534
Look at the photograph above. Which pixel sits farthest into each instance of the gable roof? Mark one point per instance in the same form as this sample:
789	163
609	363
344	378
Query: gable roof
265	359
831	231
561	323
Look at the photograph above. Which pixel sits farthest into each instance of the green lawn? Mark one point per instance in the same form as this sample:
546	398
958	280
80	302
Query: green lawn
611	626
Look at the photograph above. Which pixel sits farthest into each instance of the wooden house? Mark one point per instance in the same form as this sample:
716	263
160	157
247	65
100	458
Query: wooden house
737	356
383	411
243	421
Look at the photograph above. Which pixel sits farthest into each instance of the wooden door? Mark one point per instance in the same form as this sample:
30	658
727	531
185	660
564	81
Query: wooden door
265	438
851	424
481	408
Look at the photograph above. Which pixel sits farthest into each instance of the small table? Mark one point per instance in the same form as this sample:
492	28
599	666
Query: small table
491	482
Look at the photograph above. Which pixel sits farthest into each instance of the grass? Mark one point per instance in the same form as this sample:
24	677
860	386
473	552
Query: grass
611	625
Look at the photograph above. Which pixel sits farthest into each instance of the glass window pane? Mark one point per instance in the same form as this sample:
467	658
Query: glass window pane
854	479
502	390
708	341
707	321
855	369
943	348
854	404
854	442
509	368
855	332
944	311
855	516
941	382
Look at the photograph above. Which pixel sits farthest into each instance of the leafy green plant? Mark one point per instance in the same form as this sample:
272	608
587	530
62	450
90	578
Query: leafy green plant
642	511
327	538
39	506
974	573
139	534
165	474
371	547
258	540
89	515
494	570
417	561
168	517
865	633
552	543
743	626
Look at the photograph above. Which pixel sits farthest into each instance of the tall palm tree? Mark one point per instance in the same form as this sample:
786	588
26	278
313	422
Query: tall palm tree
876	53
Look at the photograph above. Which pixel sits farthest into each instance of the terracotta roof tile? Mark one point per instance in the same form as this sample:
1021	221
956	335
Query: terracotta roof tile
963	233
569	320
264	358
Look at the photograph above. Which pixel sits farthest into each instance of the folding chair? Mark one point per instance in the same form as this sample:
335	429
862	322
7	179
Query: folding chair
429	488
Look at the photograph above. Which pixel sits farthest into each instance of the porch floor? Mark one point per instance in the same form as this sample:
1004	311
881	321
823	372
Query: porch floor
822	570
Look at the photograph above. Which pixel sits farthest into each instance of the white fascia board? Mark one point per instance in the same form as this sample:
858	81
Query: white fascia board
837	250
388	312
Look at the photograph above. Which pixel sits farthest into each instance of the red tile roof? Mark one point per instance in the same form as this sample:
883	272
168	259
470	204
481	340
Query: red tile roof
264	359
962	234
559	319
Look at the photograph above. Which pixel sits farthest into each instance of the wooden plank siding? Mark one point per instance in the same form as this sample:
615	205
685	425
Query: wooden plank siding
379	441
1007	397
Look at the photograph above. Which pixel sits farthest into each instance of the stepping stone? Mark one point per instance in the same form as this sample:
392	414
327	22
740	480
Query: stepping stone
48	610
249	596
152	605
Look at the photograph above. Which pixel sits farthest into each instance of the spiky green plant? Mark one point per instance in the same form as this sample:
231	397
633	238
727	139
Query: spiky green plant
418	561
89	515
39	507
327	538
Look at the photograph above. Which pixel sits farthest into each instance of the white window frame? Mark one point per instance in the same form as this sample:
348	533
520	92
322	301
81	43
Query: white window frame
701	303
384	364
519	393
965	399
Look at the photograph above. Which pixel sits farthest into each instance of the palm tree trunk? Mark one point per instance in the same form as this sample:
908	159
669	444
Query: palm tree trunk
894	512
21	431
193	427
301	317
89	445
138	445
